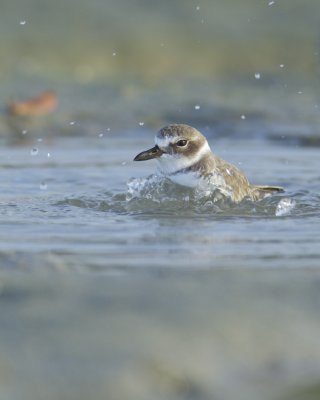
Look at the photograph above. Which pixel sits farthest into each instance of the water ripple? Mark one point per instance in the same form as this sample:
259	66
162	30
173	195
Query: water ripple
156	196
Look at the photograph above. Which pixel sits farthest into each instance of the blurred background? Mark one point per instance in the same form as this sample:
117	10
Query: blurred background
81	42
124	62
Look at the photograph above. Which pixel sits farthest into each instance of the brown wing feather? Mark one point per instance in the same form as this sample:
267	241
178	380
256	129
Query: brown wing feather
260	191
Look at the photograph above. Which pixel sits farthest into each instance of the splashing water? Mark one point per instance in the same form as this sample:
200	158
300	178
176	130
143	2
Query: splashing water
157	196
156	188
285	207
159	192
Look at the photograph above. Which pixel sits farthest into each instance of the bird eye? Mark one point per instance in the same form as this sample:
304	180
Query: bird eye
182	143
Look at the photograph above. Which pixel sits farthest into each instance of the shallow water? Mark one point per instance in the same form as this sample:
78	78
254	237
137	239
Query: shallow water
77	204
117	285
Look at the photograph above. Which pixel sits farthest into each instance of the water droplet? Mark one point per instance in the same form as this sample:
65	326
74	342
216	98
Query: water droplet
124	163
281	65
39	140
49	155
300	92
243	117
34	151
23	22
198	8
257	75
114	54
100	134
141	123
108	129
197	107
72	122
43	186
271	3
24	132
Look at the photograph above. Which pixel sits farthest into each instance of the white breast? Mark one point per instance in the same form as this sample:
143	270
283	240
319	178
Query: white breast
169	164
189	179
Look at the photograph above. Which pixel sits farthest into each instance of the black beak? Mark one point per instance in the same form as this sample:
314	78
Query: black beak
155	152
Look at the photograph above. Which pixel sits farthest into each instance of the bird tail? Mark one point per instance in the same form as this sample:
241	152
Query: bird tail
260	191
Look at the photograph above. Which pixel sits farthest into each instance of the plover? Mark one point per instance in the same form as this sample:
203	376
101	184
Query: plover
184	156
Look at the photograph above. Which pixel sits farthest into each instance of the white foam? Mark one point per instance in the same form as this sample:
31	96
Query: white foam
285	207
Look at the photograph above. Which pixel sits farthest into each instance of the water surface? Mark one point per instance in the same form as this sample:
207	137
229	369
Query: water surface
90	205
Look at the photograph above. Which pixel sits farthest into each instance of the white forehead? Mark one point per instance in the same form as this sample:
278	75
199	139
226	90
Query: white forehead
164	141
